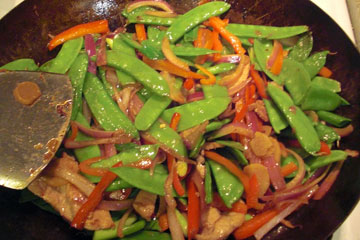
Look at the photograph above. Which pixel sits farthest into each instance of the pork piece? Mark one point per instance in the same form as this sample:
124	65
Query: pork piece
218	226
261	145
144	204
64	196
259	108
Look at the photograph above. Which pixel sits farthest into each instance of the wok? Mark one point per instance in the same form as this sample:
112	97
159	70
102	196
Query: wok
24	33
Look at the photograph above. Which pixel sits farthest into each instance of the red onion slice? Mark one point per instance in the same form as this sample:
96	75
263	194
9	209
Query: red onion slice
273	167
233	58
196	96
238	128
114	205
154	3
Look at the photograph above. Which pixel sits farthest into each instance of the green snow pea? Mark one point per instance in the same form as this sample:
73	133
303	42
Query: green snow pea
167	136
46	66
315	62
277	119
296	78
104	109
120	45
268	32
231	144
318	98
142	179
208	184
147	76
151	50
194	17
220	68
183	222
196	150
334	119
153	34
148	235
302	48
238	155
128	156
326	133
190	51
107	85
153	225
77	75
138	16
197	112
321	161
229	187
214	91
151	111
25	64
112	232
215	125
299	122
328	83
124	78
191	35
66	56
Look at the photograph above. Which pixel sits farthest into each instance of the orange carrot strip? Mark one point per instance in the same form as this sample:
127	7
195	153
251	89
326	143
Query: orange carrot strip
259	82
140	32
217	45
277	66
211	78
163	222
239	207
325	72
85	167
74	131
80	30
189	83
175	120
288	169
252	195
250	227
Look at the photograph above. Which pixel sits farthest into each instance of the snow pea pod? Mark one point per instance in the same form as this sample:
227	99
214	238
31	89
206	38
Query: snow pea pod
112	232
194	17
220	68
197	112
318	98
25	64
321	161
315	62
214	91
208	184
277	119
328	83
215	125
151	20
296	78
326	133
334	119
302	48
120	45
182	221
238	155
107	85
191	35
196	150
66	56
77	75
186	51
151	111
268	32
131	65
299	122
229	187
104	109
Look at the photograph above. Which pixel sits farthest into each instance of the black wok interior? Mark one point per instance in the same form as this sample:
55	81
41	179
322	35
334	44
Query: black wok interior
24	33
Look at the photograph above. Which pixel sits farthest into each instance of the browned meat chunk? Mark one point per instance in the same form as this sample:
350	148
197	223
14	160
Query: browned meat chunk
144	204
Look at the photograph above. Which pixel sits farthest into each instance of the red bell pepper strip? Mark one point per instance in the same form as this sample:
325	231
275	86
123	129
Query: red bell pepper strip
324	149
80	30
85	167
189	84
193	209
259	82
140	32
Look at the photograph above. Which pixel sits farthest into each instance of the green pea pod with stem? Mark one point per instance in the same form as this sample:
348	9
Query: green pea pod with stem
22	64
229	187
215	125
318	98
220	68
194	17
120	45
138	16
296	78
327	83
104	109
334	119
197	112
299	122
112	232
66	56
214	91
208	184
77	75
315	62
302	49
277	119
326	133
151	111
148	235
321	161
183	222
147	76
268	32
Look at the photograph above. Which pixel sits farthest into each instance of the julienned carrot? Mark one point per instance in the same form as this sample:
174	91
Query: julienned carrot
140	32
193	209
240	114
324	149
252	195
239	207
189	83
175	120
231	167
165	65
259	82
219	26
85	167
250	227
278	51
176	180
163	222
325	72
211	78
74	131
94	199
80	30
204	40
250	94
217	45
288	169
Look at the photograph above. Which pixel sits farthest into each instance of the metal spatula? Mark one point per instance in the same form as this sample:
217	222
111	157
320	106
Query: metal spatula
31	134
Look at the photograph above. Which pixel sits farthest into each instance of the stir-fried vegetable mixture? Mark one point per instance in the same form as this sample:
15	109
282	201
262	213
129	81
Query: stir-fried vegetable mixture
188	126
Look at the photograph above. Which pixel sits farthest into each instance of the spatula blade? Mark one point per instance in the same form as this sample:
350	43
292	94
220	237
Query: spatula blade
30	135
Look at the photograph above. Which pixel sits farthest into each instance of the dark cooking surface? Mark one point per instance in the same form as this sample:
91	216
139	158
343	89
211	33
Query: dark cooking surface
24	33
